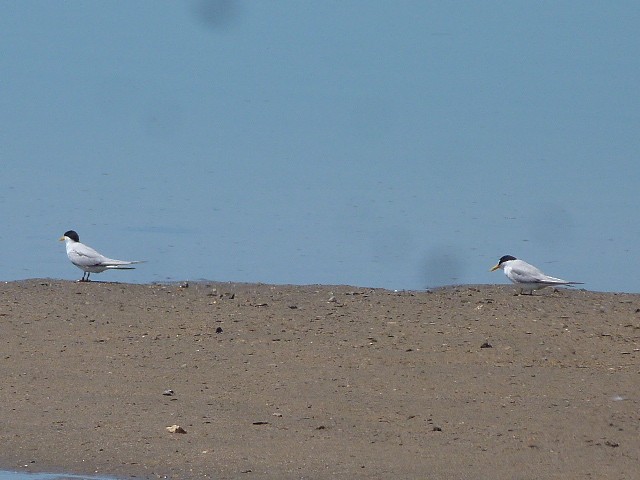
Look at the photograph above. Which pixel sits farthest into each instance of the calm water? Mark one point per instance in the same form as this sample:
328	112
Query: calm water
286	142
9	475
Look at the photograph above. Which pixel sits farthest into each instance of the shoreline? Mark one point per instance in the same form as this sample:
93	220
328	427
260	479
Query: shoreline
499	284
289	381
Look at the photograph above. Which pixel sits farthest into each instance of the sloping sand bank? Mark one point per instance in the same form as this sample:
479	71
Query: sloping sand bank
284	382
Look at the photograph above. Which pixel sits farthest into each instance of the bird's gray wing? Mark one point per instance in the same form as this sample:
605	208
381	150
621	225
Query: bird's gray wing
113	263
523	272
526	273
560	281
85	256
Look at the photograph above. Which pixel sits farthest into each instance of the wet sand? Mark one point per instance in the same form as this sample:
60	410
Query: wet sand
280	382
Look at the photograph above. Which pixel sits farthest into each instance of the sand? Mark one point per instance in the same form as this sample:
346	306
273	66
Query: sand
279	382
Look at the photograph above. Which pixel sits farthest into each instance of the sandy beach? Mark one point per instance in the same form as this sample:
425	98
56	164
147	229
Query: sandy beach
284	382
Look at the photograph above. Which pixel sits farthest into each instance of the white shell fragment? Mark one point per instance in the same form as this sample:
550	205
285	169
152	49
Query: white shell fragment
176	429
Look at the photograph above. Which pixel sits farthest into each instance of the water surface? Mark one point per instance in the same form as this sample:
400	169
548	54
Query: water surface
403	146
12	475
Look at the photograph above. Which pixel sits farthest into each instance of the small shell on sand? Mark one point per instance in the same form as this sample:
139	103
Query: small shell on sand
176	429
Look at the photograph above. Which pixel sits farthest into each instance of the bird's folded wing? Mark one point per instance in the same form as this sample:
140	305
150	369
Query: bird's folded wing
112	262
539	277
117	267
530	275
557	280
86	257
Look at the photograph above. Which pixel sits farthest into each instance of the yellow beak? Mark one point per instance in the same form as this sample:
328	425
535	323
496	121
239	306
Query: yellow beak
495	268
61	239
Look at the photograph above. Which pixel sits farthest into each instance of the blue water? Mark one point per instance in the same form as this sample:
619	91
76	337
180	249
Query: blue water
322	142
9	475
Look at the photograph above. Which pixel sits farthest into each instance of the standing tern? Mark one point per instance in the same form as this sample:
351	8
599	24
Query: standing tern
88	260
526	276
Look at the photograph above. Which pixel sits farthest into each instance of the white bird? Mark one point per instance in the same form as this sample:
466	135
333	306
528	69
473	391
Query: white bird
526	276
88	260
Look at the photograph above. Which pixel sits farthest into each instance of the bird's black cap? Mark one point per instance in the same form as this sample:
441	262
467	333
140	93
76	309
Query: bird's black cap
503	259
72	235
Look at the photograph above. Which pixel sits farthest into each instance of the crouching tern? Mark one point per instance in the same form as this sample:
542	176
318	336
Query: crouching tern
527	277
88	260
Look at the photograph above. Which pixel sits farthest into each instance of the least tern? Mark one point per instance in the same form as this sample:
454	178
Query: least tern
88	260
526	276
